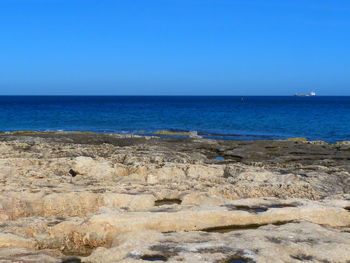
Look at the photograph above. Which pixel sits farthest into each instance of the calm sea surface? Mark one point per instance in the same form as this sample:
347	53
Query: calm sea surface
317	118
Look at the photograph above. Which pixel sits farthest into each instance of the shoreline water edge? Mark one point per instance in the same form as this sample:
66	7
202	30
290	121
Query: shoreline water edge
169	134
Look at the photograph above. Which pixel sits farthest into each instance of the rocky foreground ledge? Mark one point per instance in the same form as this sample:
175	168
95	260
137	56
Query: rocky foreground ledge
78	197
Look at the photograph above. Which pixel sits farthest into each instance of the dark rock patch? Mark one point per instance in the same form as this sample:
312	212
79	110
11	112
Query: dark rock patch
236	259
82	251
166	250
71	260
282	205
98	191
231	228
53	223
250	209
73	173
226	229
302	257
222	250
284	172
310	241
274	240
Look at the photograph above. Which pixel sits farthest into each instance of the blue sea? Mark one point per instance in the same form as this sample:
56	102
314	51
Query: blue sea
221	117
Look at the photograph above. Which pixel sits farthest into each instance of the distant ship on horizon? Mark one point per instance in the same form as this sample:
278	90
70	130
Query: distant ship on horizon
311	94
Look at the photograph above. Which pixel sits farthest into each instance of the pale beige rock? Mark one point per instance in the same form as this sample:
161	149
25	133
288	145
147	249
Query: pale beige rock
90	167
23	255
282	201
205	170
152	179
11	240
292	242
198	198
101	229
69	204
132	202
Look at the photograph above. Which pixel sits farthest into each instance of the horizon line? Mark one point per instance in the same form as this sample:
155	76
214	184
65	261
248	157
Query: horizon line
156	95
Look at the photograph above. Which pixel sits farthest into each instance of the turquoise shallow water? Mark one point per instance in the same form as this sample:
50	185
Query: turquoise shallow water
317	118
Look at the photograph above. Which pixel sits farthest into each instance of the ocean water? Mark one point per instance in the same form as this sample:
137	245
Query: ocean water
229	117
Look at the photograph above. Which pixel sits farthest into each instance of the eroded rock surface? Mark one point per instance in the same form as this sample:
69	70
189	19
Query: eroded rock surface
114	198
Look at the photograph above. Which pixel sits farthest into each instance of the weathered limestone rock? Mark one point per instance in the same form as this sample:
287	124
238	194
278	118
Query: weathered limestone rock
109	198
69	204
10	240
16	255
294	242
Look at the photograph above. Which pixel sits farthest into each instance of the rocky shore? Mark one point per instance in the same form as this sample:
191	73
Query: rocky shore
103	198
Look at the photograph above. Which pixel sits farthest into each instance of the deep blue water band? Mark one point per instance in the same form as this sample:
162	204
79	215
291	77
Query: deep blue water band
317	118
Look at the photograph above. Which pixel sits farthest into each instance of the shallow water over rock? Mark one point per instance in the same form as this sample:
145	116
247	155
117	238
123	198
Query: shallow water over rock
238	260
154	258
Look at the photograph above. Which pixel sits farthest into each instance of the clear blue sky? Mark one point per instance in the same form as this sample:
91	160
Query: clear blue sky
174	47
